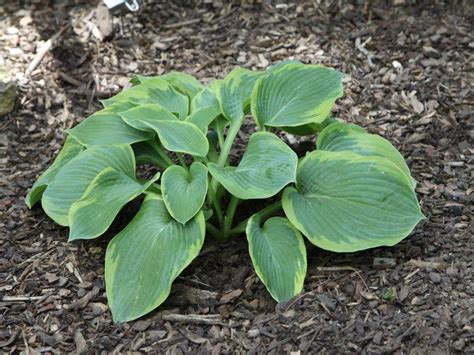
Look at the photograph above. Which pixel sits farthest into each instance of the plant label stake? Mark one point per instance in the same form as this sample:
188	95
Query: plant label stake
114	5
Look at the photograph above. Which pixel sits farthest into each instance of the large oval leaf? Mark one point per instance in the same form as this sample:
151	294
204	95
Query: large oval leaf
234	93
206	98
183	82
70	150
339	137
295	95
143	260
184	191
93	214
75	177
346	202
267	166
157	91
107	128
278	256
175	135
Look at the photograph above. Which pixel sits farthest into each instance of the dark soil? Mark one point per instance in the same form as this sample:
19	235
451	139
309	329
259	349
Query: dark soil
416	90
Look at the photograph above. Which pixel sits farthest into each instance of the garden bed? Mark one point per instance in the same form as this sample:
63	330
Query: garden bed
409	79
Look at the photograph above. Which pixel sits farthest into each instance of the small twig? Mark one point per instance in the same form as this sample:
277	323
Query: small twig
343	268
45	48
20	298
27	348
211	319
364	51
69	79
181	24
427	264
410	275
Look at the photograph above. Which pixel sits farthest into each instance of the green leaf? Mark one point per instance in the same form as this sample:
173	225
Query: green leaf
234	93
157	91
75	177
267	166
145	153
295	95
203	117
143	260
107	128
281	64
93	214
69	151
184	192
347	202
175	135
278	255
310	128
339	137
205	98
184	83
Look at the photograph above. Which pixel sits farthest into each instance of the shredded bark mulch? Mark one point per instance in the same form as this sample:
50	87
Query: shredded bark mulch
409	67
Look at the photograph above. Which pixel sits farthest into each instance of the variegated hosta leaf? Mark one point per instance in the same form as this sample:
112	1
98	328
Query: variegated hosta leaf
74	178
145	153
93	214
203	117
183	82
154	91
278	255
107	128
143	260
184	191
267	166
281	64
70	150
175	135
295	95
205	98
349	137
347	202
234	93
204	108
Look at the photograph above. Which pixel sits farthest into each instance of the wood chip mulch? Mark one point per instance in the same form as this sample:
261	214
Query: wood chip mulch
409	67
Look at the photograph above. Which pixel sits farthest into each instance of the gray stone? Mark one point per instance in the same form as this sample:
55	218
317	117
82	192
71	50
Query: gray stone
7	93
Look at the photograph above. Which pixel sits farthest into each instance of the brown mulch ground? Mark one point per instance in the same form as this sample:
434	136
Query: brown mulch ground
409	78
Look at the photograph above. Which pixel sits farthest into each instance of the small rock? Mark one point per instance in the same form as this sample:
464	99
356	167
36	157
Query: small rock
51	278
435	38
403	294
155	335
327	301
435	277
451	271
459	344
141	325
382	263
378	338
104	21
12	30
253	333
15	52
7	93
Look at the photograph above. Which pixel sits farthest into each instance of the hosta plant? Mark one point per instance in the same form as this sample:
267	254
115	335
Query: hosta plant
352	192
